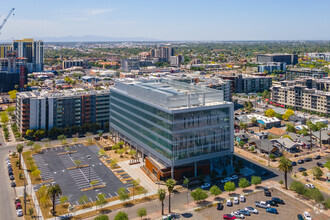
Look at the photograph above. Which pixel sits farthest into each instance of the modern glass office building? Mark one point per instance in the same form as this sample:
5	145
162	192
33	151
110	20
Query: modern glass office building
172	124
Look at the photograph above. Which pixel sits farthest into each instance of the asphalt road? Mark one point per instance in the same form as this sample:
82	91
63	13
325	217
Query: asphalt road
7	193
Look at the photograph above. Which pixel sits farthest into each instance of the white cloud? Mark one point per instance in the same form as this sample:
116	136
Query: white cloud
99	11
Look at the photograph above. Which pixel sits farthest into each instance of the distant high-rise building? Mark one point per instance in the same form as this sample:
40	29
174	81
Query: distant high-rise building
130	64
289	59
176	60
4	49
33	51
72	63
163	53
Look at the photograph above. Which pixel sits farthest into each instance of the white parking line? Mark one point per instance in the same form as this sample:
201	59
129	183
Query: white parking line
116	193
90	199
110	195
77	202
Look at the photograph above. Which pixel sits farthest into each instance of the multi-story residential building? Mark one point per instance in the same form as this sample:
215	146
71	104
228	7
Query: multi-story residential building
72	63
163	53
295	73
289	59
299	96
321	56
272	66
33	51
178	128
248	83
5	49
45	110
13	72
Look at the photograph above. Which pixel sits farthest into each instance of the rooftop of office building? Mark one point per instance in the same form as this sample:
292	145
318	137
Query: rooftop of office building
169	94
62	93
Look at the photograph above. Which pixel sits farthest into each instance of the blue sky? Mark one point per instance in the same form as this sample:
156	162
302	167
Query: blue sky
170	19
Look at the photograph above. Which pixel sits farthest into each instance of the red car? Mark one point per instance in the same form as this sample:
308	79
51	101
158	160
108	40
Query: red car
227	216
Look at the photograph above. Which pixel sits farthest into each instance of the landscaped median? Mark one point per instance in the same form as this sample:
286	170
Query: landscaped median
32	168
30	208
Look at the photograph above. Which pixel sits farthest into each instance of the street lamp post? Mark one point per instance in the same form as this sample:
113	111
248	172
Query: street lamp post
268	154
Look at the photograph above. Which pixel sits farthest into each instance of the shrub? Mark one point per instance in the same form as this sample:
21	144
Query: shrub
298	187
101	217
280	182
305	173
199	194
251	148
255	180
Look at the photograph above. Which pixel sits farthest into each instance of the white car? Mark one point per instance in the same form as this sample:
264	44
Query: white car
237	215
205	185
229	203
309	185
251	210
307	216
19	212
242	198
236	200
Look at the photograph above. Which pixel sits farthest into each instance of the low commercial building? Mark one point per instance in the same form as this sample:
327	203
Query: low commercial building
178	128
289	59
266	121
45	110
295	73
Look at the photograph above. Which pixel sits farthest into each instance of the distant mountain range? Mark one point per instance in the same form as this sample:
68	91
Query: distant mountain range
88	38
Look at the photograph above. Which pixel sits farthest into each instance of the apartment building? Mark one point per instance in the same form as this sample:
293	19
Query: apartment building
248	83
44	110
272	66
178	128
72	63
295	73
299	96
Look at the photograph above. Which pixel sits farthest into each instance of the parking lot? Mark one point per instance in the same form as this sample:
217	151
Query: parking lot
76	182
290	210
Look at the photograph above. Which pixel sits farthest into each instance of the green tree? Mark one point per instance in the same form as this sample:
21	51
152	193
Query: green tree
101	217
215	191
120	151
243	183
311	127
254	121
199	194
36	173
94	182
36	147
135	183
121	216
270	113
132	153
243	126
101	201
12	94
113	163
315	194
83	200
290	128
19	149
272	156
30	143
31	211
161	197
241	143
170	183
317	172
256	180
141	212
285	167
64	199
53	192
77	162
123	195
229	186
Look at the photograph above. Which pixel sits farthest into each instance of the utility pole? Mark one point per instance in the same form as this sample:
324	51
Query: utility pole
25	197
268	154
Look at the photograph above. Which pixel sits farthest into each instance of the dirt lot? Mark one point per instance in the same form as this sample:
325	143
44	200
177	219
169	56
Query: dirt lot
290	210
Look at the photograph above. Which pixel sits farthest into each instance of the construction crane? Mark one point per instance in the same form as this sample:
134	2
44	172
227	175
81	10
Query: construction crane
6	19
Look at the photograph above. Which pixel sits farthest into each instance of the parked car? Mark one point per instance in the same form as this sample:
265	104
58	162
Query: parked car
19	212
244	212
271	202
17	200
242	198
307	159
251	210
10	169
300	161
267	192
319	164
227	179
278	200
10	173
272	210
13	184
238	215
229	203
18	205
219	206
307	216
205	185
293	163
301	169
310	185
11	177
262	204
236	200
299	216
317	157
227	216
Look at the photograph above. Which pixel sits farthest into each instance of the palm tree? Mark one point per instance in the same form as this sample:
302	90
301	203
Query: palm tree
320	126
53	192
19	149
286	167
170	183
161	196
311	128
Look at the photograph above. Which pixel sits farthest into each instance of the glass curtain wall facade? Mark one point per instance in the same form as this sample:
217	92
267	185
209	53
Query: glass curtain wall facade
173	136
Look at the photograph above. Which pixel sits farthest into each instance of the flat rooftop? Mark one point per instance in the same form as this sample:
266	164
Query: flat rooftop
169	93
63	93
